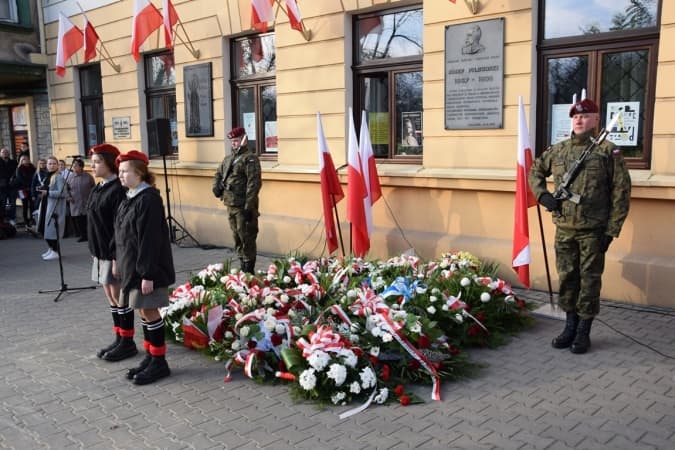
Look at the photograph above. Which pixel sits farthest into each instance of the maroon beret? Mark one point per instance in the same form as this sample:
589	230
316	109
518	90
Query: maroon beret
585	106
104	148
133	154
236	132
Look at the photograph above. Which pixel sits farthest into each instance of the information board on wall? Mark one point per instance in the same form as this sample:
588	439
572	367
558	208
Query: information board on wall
625	132
121	127
474	75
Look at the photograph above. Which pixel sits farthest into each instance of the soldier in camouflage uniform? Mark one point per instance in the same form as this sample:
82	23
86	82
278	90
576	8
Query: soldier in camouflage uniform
584	230
237	183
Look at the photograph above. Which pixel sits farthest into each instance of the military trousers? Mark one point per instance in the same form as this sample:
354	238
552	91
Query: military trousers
580	262
245	233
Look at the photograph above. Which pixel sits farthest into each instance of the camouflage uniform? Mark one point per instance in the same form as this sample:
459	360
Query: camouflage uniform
604	187
237	183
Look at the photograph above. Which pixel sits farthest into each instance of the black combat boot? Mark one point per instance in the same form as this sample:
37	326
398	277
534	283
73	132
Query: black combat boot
125	349
156	370
583	340
105	350
564	339
145	362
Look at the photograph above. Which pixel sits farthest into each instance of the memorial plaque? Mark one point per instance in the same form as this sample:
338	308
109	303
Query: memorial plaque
121	127
474	75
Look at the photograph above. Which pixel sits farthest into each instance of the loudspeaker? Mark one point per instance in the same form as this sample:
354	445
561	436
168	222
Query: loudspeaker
159	136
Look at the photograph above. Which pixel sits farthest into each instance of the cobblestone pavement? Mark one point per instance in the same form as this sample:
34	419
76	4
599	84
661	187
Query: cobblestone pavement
54	392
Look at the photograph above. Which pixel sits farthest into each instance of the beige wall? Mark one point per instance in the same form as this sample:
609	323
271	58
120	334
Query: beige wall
459	198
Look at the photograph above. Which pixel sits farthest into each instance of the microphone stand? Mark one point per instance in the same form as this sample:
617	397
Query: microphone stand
55	218
174	225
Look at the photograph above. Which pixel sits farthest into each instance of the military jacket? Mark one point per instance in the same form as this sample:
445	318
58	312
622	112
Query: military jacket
603	184
238	179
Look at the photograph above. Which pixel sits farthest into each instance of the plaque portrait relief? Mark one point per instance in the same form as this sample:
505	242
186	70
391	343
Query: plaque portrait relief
474	75
198	100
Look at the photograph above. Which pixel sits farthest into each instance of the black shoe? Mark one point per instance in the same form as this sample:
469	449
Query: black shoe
565	339
582	342
140	368
156	370
105	350
125	349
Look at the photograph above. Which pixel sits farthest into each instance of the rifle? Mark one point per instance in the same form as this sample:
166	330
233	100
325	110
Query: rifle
563	192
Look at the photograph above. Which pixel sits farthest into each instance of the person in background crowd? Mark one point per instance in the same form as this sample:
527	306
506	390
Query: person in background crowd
24	179
102	205
52	209
237	183
144	261
67	174
38	180
584	230
7	187
79	184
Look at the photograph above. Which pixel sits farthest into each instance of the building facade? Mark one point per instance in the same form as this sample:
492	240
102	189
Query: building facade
440	83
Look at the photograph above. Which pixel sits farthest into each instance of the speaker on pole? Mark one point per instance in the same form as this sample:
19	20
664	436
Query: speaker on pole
159	136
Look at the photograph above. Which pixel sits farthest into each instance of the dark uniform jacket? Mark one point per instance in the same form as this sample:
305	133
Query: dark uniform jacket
102	206
237	181
142	241
603	184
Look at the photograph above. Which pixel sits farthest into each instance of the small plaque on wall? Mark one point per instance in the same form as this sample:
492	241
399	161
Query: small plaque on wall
121	127
474	75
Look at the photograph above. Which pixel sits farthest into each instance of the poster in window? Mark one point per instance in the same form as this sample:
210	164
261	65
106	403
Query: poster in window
411	129
271	137
378	124
92	135
249	124
561	125
198	100
625	132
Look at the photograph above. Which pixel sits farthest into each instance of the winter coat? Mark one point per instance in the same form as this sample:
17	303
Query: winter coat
80	188
56	203
102	205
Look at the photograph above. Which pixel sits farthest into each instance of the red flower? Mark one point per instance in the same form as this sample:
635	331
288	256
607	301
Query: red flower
276	339
385	373
218	334
480	316
413	364
252	345
404	400
423	341
281	366
521	303
373	359
398	390
454	350
475	330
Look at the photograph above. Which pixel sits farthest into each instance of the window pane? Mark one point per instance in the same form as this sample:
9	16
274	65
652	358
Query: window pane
566	77
376	103
160	71
246	102
409	113
254	55
93	123
269	117
583	17
156	107
624	89
90	81
391	35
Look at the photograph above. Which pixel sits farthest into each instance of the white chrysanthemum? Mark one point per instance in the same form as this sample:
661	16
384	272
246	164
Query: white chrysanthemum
416	328
348	357
387	337
382	396
351	293
271	312
431	310
421	289
307	379
354	338
399	315
235	346
337	397
234	271
395	306
269	300
338	373
229	335
292	313
376	331
459	318
223	279
485	297
287	279
445	307
296	330
280	328
368	379
375	351
319	360
432	298
244	331
284	298
435	291
465	282
270	323
355	387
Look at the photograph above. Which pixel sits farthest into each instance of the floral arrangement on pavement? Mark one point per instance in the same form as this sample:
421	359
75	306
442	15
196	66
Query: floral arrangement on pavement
343	330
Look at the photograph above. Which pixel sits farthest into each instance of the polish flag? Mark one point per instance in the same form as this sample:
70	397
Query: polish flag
294	15
90	40
331	190
524	199
370	177
146	20
357	194
261	13
169	18
70	41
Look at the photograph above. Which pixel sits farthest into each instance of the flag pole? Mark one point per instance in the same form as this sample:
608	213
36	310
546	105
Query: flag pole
543	246
107	58
339	228
306	34
195	52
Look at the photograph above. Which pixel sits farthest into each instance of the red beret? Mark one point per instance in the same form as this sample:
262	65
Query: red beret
584	106
104	148
133	154
236	132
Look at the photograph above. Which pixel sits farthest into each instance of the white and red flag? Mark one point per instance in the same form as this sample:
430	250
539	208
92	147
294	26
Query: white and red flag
357	194
331	190
261	13
146	20
524	199
169	18
294	15
90	40
370	177
70	41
